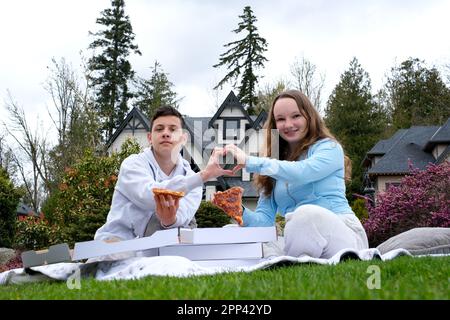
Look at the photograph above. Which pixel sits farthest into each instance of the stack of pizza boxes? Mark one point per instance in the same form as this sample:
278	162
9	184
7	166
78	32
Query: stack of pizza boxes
230	245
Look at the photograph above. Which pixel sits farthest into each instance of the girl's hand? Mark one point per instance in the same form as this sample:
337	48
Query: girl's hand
213	168
238	154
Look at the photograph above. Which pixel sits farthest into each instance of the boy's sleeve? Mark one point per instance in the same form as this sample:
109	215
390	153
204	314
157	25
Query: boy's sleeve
136	182
189	205
264	214
326	158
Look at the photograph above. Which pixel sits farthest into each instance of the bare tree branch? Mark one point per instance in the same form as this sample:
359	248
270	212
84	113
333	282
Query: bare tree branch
308	80
29	143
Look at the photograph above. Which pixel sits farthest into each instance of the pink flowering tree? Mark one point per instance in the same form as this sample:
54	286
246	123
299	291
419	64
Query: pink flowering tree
421	200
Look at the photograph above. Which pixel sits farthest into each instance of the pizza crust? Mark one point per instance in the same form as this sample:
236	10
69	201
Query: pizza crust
160	191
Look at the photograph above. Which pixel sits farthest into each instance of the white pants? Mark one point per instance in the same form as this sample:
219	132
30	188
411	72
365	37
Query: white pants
317	232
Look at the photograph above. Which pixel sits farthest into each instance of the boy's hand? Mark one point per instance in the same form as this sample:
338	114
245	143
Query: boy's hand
213	168
166	209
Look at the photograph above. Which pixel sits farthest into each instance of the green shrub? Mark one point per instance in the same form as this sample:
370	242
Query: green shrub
33	233
9	199
210	216
83	200
280	223
360	210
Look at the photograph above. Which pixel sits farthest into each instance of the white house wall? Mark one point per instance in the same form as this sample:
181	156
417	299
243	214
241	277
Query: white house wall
437	151
382	180
139	135
232	112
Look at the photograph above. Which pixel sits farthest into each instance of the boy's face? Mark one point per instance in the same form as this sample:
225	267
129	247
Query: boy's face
167	137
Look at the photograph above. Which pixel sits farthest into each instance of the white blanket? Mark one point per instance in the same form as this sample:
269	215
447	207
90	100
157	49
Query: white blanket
139	267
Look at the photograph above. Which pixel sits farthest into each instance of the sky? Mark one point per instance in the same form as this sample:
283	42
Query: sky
187	36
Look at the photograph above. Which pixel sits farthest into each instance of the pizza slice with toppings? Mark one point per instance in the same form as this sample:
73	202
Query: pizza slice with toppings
230	201
175	194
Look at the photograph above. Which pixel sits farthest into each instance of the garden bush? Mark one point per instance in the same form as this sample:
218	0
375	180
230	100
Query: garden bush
421	200
81	204
34	233
210	216
360	210
9	199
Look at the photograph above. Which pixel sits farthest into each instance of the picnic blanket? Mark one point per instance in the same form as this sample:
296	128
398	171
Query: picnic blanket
175	266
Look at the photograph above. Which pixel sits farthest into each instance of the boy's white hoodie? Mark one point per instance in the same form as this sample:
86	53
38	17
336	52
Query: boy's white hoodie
133	203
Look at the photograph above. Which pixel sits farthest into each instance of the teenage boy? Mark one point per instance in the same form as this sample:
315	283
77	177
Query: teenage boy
135	212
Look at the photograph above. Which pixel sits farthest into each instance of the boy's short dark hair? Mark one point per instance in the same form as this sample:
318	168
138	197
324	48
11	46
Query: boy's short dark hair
166	111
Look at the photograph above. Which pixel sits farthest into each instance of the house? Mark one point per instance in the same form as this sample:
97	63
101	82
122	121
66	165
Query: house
230	124
23	211
388	161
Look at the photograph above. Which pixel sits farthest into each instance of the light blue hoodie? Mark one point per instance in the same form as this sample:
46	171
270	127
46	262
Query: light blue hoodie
317	179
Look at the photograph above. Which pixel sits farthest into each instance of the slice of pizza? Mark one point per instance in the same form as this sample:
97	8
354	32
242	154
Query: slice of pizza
175	194
230	201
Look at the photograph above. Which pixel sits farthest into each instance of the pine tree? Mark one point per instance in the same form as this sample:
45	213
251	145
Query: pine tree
244	57
416	95
111	68
155	92
354	118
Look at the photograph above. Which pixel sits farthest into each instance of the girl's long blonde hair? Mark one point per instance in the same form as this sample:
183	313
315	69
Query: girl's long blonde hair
315	130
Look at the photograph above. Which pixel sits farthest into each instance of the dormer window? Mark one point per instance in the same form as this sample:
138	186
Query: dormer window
231	129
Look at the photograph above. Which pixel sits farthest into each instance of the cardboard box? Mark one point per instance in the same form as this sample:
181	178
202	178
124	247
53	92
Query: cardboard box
230	234
170	237
54	254
231	243
97	248
226	251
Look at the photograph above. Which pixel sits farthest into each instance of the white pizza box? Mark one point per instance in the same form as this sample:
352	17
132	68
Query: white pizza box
97	248
230	234
226	251
170	237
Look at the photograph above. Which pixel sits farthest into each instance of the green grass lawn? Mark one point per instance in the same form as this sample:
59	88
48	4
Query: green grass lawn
401	278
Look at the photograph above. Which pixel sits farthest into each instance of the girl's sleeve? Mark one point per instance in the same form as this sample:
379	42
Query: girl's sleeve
326	157
264	214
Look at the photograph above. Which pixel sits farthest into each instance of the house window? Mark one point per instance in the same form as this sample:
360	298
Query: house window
391	184
230	129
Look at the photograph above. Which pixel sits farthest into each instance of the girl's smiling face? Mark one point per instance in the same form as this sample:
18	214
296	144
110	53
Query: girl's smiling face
289	121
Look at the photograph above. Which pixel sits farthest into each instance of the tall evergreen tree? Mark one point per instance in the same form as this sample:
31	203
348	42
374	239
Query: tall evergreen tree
354	118
155	92
244	57
111	68
416	95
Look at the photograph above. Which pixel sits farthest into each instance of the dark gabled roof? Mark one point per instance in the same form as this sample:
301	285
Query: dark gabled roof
384	146
230	101
442	135
260	120
408	147
133	115
249	189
